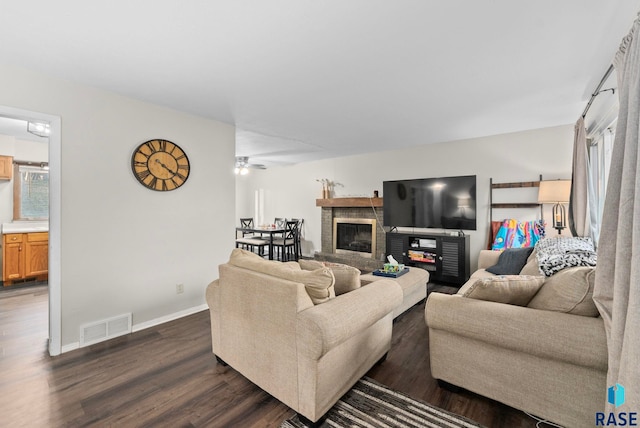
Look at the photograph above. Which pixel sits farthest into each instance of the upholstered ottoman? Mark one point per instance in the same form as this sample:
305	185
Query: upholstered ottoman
413	284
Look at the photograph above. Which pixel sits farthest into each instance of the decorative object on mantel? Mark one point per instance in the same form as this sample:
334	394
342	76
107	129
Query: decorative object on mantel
326	187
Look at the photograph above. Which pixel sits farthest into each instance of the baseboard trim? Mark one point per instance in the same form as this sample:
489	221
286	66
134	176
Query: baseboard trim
170	317
70	347
151	323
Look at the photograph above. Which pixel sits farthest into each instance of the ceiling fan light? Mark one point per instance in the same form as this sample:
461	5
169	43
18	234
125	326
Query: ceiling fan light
244	170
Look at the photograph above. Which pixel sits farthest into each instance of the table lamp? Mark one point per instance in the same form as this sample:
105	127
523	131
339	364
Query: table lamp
556	192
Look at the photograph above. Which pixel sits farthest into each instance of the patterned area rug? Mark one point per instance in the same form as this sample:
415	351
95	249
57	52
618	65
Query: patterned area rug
372	405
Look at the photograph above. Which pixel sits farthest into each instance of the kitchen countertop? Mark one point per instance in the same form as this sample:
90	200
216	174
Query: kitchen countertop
25	227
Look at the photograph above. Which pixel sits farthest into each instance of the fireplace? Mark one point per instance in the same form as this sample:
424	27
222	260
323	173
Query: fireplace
358	211
355	236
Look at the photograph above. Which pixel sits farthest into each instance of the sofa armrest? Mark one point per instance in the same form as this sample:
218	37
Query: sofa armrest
212	296
324	326
488	258
553	335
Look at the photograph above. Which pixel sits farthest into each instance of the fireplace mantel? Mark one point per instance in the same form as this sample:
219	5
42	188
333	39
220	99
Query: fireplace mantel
349	202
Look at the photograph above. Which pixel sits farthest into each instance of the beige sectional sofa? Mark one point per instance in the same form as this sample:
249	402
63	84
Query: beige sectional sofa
285	329
549	362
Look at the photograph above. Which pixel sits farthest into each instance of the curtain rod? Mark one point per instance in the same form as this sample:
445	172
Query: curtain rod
597	91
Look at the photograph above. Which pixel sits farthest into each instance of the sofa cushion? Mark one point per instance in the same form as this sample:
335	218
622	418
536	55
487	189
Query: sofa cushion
569	291
347	278
318	283
511	261
532	267
510	289
252	261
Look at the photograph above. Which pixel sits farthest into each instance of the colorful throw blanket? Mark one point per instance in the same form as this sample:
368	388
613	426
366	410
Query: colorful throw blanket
555	254
515	234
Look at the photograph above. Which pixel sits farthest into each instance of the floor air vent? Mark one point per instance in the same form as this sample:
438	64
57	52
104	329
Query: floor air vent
105	329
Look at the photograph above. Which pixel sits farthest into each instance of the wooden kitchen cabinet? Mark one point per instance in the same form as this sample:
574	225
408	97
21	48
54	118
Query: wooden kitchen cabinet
12	257
25	255
6	167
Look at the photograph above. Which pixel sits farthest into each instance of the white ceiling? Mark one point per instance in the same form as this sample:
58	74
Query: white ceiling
305	80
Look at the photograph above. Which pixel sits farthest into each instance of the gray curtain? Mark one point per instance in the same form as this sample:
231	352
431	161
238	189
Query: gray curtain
617	287
579	212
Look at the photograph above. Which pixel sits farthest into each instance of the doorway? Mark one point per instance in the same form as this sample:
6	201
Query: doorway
54	328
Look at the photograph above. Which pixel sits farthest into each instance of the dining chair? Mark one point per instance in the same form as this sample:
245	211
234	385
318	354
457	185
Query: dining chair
279	223
286	246
250	241
299	237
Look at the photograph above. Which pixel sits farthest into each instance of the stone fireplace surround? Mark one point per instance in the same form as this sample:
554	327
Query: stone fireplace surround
362	263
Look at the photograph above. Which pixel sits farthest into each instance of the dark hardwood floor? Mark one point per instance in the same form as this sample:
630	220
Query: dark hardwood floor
167	376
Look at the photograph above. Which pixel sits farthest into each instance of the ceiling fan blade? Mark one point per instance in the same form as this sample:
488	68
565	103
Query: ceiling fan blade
243	161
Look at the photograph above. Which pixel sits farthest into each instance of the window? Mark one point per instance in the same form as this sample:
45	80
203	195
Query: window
30	192
599	163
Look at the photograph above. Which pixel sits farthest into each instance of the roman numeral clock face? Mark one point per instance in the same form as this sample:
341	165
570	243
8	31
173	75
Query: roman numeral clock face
160	165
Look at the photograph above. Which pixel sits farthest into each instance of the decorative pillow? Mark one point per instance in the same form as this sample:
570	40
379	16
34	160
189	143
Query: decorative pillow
347	277
306	264
569	291
511	261
479	274
318	283
555	254
510	289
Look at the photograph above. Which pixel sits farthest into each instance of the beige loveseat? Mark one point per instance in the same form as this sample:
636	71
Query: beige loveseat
265	324
548	363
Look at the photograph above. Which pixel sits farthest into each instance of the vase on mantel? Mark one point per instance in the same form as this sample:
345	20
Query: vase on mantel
326	193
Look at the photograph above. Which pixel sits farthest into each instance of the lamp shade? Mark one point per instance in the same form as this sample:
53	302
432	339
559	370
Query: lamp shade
554	191
464	202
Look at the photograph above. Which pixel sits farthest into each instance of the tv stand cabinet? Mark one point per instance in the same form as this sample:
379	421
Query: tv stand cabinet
446	257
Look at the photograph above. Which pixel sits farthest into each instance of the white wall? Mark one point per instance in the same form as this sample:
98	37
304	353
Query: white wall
123	247
291	191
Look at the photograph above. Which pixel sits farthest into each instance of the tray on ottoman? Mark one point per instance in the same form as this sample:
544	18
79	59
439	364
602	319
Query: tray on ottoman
379	272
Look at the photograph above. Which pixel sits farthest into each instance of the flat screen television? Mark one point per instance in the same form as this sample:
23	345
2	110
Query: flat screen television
439	203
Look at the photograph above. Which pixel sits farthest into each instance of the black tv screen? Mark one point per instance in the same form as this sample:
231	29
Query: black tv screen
441	203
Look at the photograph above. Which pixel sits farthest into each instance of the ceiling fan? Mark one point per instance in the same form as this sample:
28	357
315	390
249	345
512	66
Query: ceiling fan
243	165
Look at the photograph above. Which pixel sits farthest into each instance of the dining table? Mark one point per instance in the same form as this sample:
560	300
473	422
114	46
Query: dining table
263	230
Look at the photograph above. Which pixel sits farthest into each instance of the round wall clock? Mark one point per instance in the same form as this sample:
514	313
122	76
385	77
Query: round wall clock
160	165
